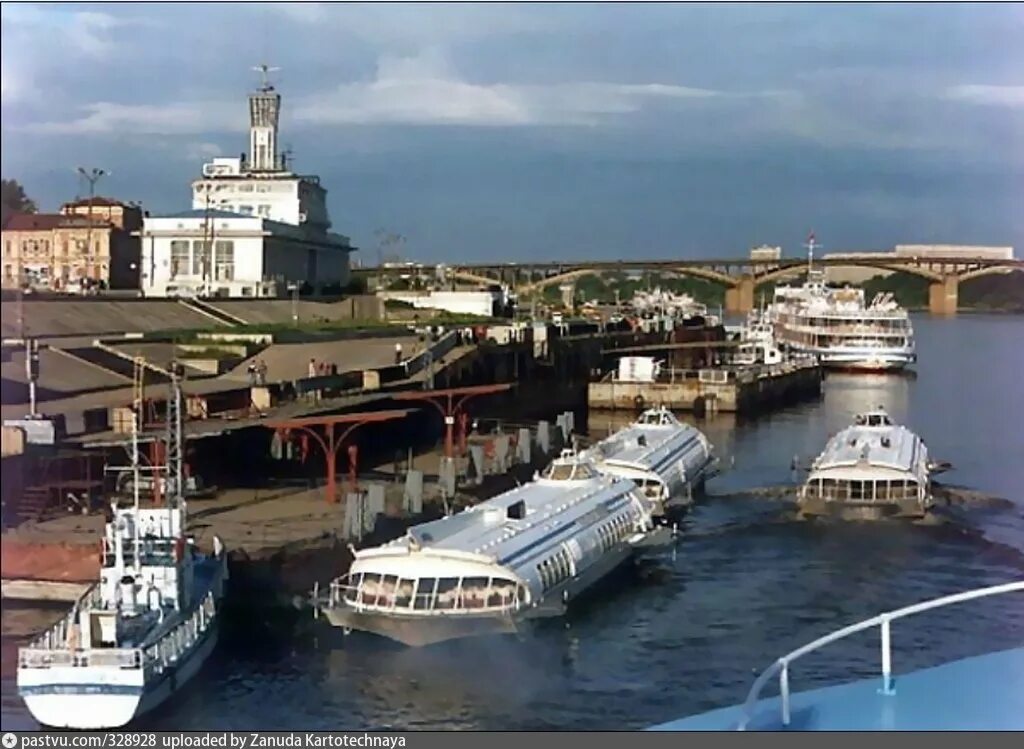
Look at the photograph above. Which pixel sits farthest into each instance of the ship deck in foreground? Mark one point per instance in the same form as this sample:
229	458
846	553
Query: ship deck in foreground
981	693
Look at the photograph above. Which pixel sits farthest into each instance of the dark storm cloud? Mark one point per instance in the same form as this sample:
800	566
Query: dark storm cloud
544	130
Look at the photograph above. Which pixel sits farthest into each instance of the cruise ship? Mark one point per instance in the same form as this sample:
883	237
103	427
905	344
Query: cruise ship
522	555
840	327
871	469
666	458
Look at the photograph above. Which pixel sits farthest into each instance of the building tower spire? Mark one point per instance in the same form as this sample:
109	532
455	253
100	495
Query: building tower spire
264	112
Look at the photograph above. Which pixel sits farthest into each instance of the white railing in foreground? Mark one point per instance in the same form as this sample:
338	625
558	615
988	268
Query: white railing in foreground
781	666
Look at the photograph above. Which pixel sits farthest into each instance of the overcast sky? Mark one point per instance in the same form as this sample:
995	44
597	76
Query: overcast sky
548	131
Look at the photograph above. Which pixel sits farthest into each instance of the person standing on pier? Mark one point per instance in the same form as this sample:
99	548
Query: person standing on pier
398	353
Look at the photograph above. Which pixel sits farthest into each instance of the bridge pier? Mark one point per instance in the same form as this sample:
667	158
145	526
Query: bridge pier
944	295
739	299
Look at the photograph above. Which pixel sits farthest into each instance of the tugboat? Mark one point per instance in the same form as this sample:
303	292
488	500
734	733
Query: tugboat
144	629
666	458
525	554
870	470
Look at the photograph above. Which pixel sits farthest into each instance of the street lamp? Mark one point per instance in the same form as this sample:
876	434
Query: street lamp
92	176
294	289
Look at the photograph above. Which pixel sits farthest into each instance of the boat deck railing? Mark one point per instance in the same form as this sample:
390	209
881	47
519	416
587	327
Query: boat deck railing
58	646
884	621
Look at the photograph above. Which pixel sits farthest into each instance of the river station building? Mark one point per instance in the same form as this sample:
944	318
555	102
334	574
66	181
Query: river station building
256	228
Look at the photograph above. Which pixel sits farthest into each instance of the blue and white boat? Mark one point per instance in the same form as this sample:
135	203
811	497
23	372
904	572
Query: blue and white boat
522	555
981	693
136	636
665	457
869	470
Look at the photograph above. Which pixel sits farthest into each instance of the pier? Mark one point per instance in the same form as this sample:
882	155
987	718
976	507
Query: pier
734	389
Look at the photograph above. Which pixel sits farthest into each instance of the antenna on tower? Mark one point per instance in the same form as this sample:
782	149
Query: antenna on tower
265	70
286	157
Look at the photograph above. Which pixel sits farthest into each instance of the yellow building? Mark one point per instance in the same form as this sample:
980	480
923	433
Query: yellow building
87	244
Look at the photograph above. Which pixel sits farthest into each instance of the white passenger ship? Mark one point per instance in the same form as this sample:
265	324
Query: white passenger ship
869	470
839	327
523	554
138	635
666	458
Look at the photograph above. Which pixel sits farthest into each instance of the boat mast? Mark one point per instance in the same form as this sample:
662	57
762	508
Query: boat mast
139	374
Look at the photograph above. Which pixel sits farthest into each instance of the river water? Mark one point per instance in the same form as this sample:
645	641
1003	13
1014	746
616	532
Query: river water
693	625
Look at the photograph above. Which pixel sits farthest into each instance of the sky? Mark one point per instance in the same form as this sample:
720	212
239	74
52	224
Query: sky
547	131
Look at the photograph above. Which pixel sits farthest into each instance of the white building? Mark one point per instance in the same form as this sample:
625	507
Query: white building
255	229
215	253
954	251
482	303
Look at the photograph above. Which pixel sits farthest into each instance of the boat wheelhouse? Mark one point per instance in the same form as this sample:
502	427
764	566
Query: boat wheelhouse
665	457
137	635
840	328
874	468
521	555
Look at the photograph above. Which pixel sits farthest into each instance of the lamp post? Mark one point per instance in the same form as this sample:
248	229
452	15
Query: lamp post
92	176
294	289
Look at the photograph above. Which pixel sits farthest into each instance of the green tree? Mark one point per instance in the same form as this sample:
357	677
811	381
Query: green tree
15	200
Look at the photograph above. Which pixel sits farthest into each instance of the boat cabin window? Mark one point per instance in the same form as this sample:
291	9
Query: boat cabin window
656	418
447	593
874	419
425	593
403	594
517	510
369	591
474	592
568	471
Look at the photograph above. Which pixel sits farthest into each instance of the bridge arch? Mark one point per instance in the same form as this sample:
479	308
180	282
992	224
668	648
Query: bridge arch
798	268
991	270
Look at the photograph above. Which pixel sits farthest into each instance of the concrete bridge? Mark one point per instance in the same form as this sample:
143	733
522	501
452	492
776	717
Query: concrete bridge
741	277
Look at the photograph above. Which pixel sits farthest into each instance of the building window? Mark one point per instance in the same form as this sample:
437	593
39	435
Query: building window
224	260
8	270
64	246
245	209
8	250
179	257
46	245
201	257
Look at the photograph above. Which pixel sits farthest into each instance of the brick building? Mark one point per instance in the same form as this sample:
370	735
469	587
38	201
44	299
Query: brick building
89	243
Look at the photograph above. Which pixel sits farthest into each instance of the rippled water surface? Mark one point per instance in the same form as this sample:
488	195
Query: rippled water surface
693	625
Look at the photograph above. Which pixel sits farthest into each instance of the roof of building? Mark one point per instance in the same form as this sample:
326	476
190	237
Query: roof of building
97	201
203	213
48	221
